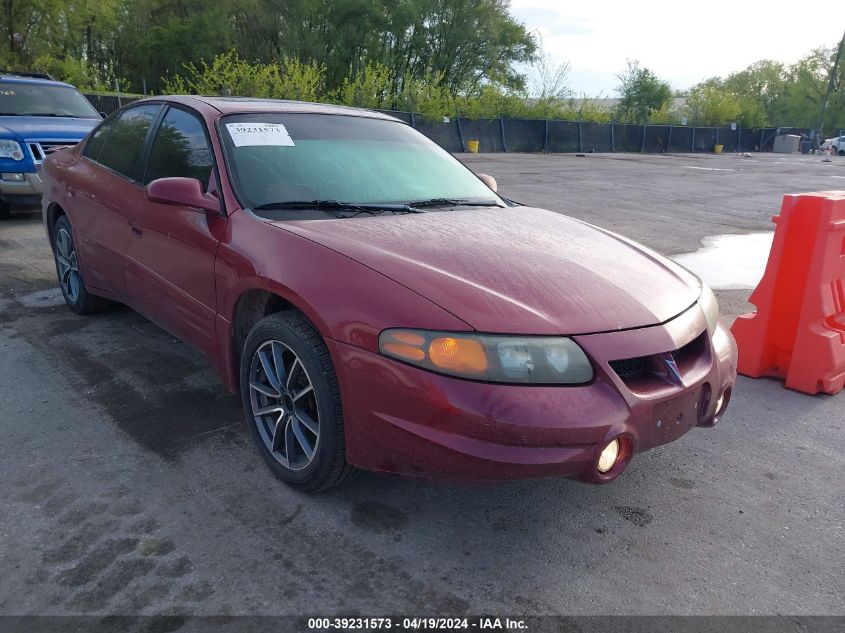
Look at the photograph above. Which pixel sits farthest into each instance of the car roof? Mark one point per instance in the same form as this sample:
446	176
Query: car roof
21	79
246	105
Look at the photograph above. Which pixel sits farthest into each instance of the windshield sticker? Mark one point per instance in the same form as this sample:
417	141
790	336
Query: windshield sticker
247	134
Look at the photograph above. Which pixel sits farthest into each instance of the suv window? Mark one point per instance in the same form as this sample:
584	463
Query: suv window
25	98
180	148
117	143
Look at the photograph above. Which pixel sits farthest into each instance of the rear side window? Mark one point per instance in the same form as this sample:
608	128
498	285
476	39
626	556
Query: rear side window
95	144
180	148
118	143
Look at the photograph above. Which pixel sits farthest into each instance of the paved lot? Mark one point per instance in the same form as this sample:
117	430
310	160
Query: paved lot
128	483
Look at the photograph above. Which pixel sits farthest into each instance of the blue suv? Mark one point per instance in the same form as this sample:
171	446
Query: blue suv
37	114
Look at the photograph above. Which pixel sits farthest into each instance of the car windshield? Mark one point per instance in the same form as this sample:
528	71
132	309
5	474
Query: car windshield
38	99
288	158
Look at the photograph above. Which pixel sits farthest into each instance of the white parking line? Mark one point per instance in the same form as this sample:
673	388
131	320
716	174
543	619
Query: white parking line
708	168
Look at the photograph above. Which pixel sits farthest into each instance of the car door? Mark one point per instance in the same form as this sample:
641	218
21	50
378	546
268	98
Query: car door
98	186
169	266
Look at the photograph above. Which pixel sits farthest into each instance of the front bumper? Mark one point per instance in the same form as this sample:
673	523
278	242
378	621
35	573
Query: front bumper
401	419
26	192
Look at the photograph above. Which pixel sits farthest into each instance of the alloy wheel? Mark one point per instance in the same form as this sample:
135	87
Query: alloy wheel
68	266
284	405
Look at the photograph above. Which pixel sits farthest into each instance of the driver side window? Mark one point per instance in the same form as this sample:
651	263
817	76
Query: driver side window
180	148
117	143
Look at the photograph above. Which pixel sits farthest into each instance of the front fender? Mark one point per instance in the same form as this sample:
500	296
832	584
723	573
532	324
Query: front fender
345	300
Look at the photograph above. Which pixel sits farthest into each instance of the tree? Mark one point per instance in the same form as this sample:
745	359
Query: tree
642	93
806	84
758	87
711	104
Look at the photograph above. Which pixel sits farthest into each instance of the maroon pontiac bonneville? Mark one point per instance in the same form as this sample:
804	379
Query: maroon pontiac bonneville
375	303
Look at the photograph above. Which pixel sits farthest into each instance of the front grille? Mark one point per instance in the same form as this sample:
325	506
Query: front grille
41	149
628	367
687	364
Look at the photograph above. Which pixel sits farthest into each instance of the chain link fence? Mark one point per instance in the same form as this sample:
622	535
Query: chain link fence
555	136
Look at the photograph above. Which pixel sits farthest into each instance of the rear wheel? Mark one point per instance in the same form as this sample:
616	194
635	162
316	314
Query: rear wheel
73	288
292	403
842	152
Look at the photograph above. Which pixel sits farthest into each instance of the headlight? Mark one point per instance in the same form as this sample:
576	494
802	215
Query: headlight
710	307
10	149
494	358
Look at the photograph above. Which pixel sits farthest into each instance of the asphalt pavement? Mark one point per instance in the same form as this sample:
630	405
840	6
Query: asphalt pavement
128	484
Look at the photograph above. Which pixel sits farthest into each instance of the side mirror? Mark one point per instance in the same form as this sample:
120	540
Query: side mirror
181	192
103	115
488	180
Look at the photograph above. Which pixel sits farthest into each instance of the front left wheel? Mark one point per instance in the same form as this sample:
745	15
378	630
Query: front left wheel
292	403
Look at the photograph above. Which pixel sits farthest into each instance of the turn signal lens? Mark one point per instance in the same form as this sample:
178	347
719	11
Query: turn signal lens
404	351
543	360
461	355
608	456
410	338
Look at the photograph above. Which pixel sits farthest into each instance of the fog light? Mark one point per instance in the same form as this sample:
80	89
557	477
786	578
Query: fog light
608	456
12	177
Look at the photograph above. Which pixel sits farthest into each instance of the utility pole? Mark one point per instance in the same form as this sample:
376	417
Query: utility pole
831	85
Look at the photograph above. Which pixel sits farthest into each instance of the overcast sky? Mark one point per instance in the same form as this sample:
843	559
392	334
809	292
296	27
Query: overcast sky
682	41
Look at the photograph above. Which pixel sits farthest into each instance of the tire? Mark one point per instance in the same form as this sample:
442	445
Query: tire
841	152
300	403
5	210
71	283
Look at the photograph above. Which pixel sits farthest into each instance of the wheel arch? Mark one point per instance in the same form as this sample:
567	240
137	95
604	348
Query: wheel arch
253	304
52	214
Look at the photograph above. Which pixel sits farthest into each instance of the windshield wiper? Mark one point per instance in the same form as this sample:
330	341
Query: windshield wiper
373	208
453	202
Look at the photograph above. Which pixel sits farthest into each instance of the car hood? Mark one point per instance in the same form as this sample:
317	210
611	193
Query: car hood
34	128
518	270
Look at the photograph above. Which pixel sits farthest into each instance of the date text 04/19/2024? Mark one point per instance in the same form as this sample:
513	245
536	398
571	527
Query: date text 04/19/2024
416	624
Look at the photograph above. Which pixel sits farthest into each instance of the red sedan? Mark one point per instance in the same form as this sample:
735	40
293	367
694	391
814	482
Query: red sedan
375	303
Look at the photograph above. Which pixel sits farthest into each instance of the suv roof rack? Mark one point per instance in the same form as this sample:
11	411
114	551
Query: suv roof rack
19	73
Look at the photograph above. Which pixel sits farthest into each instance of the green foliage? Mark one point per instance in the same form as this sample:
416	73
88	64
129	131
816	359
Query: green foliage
301	81
66	38
427	96
768	93
492	102
370	87
805	86
642	94
74	71
584	109
464	43
435	57
665	115
711	104
228	74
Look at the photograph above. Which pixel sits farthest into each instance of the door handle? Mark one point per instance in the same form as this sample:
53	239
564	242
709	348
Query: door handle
135	228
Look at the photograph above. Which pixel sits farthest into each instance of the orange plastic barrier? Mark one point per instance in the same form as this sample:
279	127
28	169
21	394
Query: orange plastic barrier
798	330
